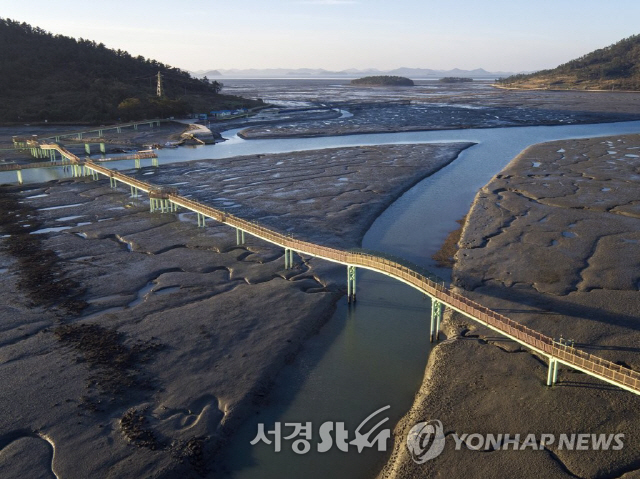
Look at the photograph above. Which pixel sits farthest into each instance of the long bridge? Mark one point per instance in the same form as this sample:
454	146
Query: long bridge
556	352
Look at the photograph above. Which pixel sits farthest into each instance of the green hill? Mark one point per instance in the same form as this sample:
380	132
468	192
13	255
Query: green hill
58	78
383	80
616	67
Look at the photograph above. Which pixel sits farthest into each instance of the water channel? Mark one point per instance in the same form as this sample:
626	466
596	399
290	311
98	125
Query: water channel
374	354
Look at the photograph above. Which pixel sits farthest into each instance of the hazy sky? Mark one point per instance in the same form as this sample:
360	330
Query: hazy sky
511	35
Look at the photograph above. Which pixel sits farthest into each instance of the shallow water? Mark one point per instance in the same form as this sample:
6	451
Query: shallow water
373	354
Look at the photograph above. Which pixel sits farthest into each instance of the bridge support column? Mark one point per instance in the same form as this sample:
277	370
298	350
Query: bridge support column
135	126
137	163
239	237
87	148
102	147
154	161
436	318
151	124
286	258
79	136
351	284
57	139
113	182
552	373
201	220
134	192
100	133
119	130
19	172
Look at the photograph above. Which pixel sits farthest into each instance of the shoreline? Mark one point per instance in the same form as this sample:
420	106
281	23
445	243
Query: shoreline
411	130
493	398
168	251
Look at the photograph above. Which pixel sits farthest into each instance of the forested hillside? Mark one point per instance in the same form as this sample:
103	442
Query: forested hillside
58	78
616	67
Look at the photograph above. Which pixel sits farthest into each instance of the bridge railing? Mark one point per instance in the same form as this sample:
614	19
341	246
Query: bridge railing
587	362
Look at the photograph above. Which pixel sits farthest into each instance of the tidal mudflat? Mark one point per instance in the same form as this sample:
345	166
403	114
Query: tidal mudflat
552	242
135	342
430	105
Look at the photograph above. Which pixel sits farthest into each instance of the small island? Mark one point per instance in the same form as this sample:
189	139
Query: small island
383	80
455	79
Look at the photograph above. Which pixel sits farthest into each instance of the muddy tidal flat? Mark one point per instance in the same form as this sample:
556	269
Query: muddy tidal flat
552	242
430	105
134	343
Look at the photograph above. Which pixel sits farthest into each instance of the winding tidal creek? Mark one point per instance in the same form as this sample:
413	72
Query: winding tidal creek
373	354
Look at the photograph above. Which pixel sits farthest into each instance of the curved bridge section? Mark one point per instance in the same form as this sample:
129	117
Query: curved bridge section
557	353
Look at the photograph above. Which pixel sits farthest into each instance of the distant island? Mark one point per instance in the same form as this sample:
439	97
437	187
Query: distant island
455	79
383	80
616	67
349	73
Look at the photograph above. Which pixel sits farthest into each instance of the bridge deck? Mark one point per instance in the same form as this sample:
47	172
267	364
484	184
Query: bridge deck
603	369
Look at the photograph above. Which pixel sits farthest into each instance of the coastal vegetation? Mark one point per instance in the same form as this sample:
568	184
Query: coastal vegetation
456	79
616	67
61	79
383	80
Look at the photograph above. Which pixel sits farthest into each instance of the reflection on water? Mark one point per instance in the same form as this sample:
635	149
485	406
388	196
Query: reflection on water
342	376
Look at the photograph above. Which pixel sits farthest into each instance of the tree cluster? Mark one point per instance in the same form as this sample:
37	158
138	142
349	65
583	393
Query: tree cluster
383	80
617	65
58	78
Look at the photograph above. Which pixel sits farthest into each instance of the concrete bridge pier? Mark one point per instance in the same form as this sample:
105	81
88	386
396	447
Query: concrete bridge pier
87	148
552	374
351	284
137	163
119	130
135	126
154	162
113	182
19	172
79	136
201	220
436	318
102	147
134	192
